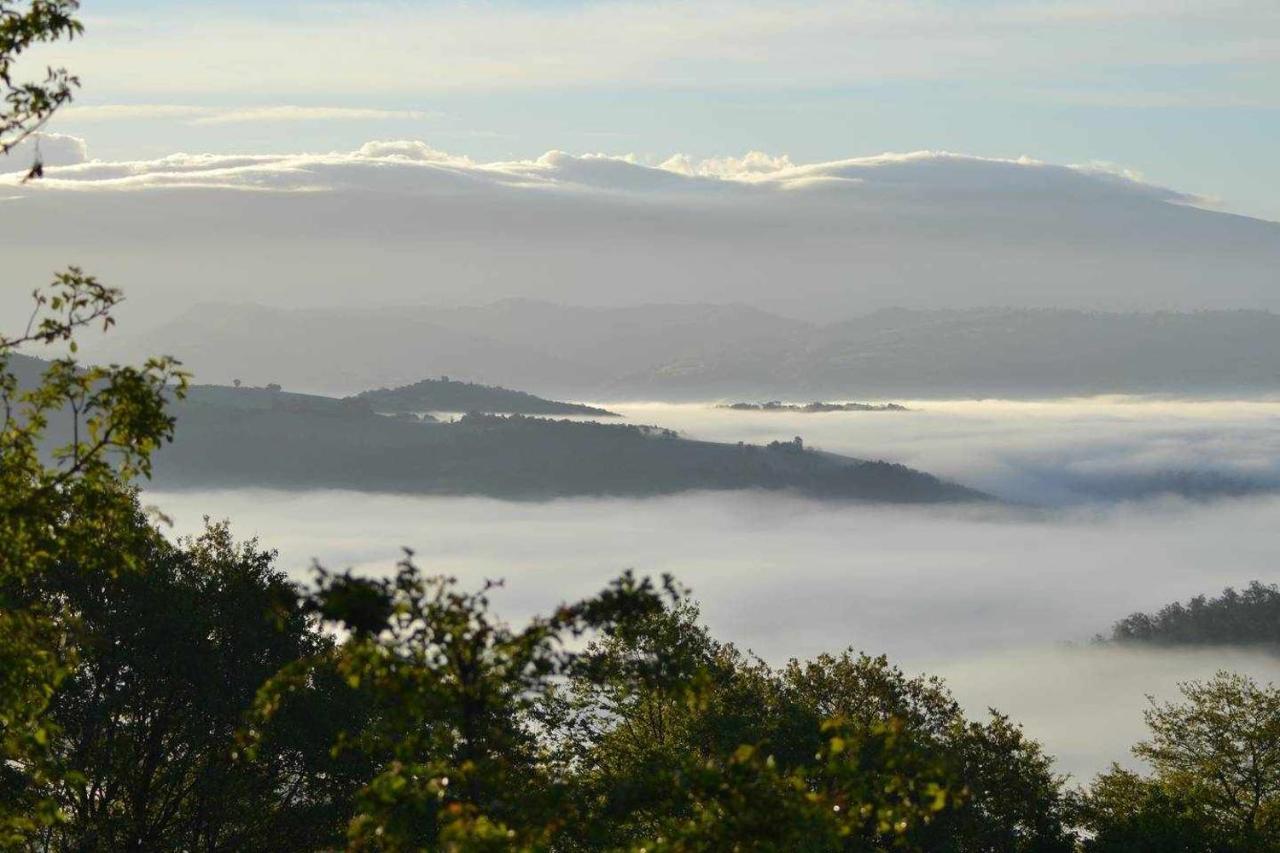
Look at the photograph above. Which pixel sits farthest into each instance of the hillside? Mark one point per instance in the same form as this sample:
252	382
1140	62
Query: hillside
450	395
226	438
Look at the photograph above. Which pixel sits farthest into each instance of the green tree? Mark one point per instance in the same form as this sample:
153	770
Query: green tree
1127	813
28	104
67	503
452	728
1215	780
661	715
170	657
64	499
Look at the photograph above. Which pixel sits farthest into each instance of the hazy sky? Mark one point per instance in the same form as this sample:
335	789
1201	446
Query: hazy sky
1182	91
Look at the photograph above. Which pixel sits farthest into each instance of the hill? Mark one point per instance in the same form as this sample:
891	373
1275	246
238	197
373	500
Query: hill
227	438
450	395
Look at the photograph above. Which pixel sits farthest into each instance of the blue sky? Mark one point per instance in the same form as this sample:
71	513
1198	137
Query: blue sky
1184	92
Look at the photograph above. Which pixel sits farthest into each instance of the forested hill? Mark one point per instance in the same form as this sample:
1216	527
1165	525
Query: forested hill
301	443
1247	617
450	395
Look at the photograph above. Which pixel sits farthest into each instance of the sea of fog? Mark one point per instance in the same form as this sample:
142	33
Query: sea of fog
999	600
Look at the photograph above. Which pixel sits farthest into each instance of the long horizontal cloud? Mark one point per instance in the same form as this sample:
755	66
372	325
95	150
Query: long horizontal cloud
207	115
402	221
419	168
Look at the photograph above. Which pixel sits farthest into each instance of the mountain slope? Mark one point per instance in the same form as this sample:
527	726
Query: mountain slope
295	446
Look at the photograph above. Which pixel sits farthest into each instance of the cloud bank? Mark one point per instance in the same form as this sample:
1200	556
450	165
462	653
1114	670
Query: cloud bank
1069	452
422	169
985	599
397	222
53	149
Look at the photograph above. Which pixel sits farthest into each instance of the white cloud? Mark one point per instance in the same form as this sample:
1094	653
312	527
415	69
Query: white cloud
294	113
82	114
206	115
54	149
413	223
422	168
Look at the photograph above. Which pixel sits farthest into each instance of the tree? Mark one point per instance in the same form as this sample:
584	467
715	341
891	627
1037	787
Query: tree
76	509
677	736
28	104
1127	813
452	731
70	508
170	658
1246	617
1215	782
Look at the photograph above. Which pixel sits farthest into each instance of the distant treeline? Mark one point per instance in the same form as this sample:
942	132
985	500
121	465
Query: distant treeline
1247	617
809	408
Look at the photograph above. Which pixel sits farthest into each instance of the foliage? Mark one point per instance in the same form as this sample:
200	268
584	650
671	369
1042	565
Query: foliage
28	104
169	659
452	694
65	505
1215	784
1127	813
1247	617
659	706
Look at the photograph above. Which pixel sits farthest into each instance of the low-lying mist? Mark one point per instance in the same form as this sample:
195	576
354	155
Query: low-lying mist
1051	452
1002	601
985	598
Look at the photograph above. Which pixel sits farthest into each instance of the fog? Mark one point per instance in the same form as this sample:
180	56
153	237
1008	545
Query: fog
1048	452
1001	600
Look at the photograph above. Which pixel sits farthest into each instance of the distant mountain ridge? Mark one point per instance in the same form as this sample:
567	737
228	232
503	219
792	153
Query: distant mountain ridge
698	351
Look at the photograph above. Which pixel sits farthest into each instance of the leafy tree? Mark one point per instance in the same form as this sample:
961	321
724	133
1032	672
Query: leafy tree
452	693
28	104
1126	813
170	657
69	505
659	708
1215	782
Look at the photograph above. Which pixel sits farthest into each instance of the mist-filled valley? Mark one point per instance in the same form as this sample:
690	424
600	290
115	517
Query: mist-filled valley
1114	505
639	426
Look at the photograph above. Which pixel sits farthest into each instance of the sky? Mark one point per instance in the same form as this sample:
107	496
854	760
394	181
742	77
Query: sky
1185	93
